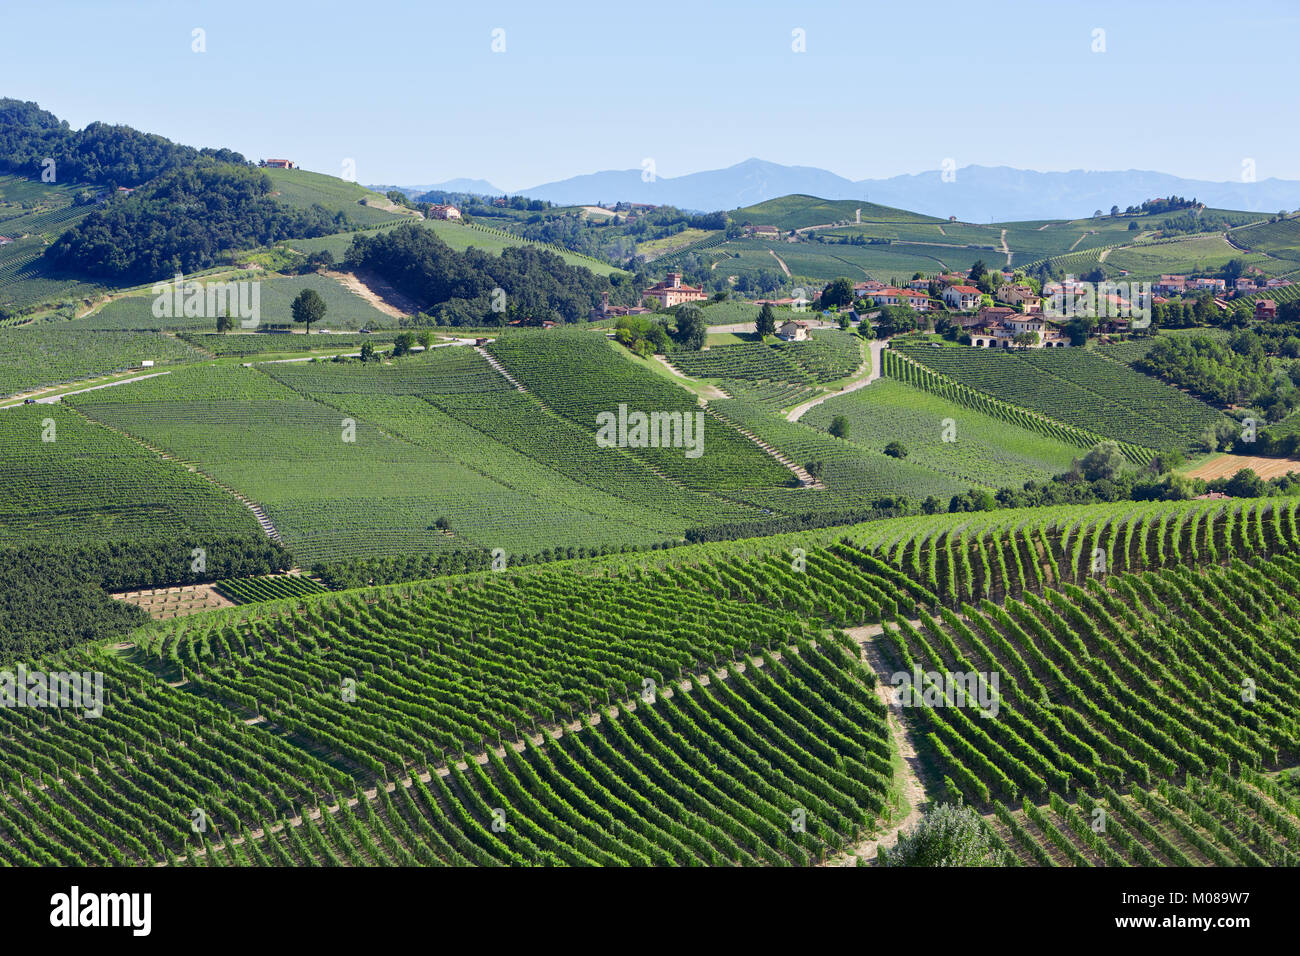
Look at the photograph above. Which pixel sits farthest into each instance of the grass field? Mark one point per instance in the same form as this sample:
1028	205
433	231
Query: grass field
983	451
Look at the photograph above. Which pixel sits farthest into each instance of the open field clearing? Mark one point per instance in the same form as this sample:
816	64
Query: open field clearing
1225	466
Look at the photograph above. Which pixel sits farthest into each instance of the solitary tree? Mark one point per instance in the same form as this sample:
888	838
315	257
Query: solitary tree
1104	460
308	307
896	449
402	344
948	835
839	427
224	322
367	351
766	324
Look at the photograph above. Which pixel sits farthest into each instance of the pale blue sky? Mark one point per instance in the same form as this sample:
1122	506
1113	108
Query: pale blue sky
414	94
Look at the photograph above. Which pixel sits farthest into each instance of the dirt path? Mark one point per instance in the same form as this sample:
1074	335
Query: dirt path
784	267
377	292
1104	254
900	725
1005	248
706	390
872	373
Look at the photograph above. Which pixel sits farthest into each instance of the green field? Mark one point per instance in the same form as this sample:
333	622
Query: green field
1077	388
303	189
344	309
282	443
798	212
89	486
50	354
983	451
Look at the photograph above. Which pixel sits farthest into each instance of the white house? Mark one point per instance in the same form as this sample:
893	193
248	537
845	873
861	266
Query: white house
963	298
793	332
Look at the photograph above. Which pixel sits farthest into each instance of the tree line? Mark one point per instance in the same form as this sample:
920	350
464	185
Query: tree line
475	287
183	222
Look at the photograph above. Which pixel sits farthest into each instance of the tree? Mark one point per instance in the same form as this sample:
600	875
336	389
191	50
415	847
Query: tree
402	344
766	323
978	270
1104	460
367	350
843	320
691	328
1114	210
948	835
426	339
839	427
896	449
931	505
1246	484
1024	339
308	307
224	322
838	293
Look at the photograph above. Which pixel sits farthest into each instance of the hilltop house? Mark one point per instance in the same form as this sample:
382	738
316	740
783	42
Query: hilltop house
443	211
963	298
279	163
767	232
672	291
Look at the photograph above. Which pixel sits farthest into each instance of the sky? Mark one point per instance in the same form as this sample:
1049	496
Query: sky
415	93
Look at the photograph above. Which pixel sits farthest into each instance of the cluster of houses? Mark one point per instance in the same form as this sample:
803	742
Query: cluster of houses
988	326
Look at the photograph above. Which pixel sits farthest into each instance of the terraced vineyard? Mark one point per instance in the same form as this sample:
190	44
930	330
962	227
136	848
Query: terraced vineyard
702	707
717	770
51	354
580	375
905	369
968	445
87	484
1076	388
1223	821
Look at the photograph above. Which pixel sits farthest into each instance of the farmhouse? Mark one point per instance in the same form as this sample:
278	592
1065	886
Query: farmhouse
671	291
862	289
1170	284
962	297
1265	309
919	285
767	232
5	240
279	163
793	332
443	211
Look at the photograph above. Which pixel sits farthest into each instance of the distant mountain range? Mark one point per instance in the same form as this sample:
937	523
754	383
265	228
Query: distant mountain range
976	194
